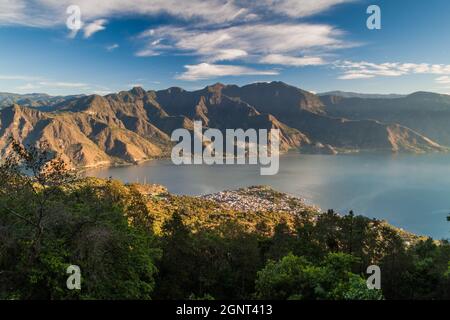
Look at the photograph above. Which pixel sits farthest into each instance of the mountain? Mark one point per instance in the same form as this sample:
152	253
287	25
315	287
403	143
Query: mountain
135	125
345	94
424	112
306	112
218	110
91	137
33	99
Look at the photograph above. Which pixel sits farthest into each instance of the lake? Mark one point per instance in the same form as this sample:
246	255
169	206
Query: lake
409	191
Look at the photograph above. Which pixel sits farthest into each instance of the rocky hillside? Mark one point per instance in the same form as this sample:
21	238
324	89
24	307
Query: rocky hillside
132	126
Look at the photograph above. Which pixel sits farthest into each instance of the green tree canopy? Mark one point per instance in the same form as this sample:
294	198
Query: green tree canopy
50	219
296	278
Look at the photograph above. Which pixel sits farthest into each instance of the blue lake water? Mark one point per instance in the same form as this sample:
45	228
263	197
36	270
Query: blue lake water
409	191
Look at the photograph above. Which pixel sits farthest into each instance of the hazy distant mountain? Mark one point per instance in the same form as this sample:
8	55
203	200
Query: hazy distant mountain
424	112
345	94
136	125
32	99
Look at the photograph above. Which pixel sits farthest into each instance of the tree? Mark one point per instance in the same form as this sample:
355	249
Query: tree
296	278
50	219
177	264
31	179
216	262
291	278
281	243
328	231
357	290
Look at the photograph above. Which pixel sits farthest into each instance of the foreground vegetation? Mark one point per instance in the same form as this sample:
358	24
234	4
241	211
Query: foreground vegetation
133	242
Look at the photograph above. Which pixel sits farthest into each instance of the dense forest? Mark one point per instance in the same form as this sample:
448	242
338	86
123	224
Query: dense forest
132	245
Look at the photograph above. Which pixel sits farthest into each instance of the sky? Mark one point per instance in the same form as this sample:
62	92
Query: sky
317	45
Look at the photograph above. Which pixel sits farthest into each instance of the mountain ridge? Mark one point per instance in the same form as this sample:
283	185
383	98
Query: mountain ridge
135	125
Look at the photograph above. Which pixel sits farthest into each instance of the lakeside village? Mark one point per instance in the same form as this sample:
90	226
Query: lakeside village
260	198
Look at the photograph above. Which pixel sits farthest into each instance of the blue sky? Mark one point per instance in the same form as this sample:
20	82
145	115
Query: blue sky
316	45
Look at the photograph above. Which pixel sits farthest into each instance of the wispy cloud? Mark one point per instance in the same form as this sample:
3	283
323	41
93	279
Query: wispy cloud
228	54
19	12
52	12
36	83
63	84
354	76
298	8
11	11
147	53
207	71
94	27
31	83
292	61
219	30
364	70
134	85
443	80
282	44
112	47
28	87
19	77
101	92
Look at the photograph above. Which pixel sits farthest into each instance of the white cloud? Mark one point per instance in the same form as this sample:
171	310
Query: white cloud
299	8
28	87
134	85
18	77
19	12
32	84
101	92
353	76
11	11
206	71
364	69
218	30
147	53
112	47
443	80
63	84
93	27
35	82
52	12
239	42
292	61
228	54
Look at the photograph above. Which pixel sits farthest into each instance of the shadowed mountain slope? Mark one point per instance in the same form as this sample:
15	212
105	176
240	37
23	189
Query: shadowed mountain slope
424	112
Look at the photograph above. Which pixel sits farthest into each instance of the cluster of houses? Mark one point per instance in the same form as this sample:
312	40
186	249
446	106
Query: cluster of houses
259	198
